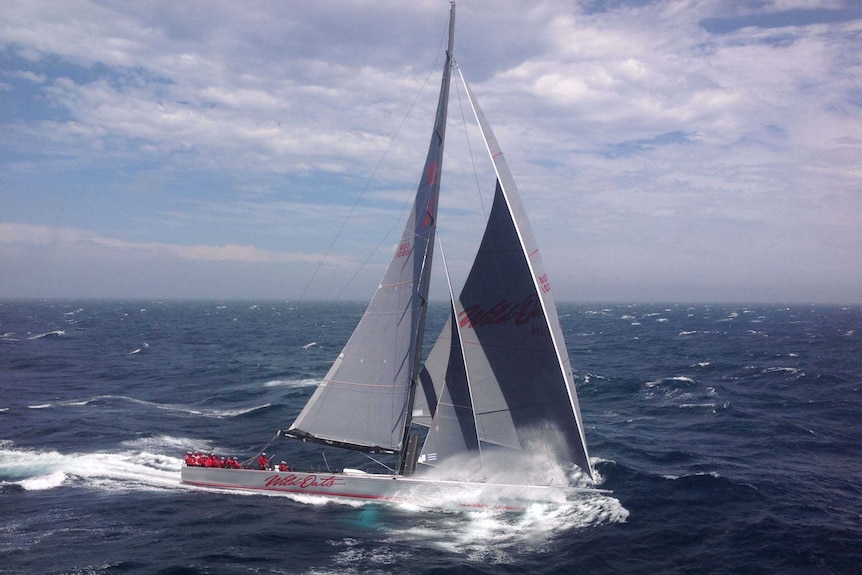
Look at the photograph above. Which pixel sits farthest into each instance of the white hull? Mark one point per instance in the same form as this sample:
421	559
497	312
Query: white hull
387	488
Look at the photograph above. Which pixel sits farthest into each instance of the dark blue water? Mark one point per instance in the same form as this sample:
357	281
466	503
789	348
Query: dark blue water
730	437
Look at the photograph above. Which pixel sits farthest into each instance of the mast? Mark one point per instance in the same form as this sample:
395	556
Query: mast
407	457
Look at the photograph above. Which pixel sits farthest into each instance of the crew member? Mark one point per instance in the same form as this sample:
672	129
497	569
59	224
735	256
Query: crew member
262	461
283	466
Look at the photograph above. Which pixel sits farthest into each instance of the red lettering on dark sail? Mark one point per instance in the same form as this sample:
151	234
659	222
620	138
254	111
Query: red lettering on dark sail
501	312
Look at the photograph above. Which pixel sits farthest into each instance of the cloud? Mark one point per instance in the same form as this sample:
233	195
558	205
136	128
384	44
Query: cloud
677	131
75	240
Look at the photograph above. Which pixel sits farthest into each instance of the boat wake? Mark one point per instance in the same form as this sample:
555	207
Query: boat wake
491	536
127	469
101	400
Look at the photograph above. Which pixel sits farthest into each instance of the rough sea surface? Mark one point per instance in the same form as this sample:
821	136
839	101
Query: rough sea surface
731	437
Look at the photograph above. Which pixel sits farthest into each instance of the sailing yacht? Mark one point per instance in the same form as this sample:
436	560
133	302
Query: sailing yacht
496	393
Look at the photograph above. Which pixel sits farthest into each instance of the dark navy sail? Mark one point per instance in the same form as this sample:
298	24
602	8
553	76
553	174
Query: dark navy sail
364	401
517	367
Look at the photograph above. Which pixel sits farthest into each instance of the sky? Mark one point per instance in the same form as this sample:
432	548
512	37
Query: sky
666	151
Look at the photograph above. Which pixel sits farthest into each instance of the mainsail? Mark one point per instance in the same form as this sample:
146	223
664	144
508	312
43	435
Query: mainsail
364	402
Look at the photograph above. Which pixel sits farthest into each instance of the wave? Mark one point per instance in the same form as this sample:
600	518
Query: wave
713	474
497	536
793	370
680	378
56	333
291	383
683	392
221	413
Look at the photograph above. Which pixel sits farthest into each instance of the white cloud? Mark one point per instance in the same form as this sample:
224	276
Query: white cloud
696	127
89	244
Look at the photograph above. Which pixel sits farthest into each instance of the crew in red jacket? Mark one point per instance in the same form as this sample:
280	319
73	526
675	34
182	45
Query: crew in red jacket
262	461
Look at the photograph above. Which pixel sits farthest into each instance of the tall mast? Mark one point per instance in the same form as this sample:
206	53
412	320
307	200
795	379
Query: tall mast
407	457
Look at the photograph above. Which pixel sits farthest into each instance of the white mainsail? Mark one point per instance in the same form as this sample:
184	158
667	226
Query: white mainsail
364	401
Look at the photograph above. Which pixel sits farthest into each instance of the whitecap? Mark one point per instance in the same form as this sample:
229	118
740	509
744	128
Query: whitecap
493	535
57	332
792	370
44	482
221	413
291	383
140	349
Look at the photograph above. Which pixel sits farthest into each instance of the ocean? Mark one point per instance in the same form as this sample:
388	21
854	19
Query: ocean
730	436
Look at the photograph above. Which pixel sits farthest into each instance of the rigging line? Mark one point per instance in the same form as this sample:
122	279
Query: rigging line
469	145
457	327
365	189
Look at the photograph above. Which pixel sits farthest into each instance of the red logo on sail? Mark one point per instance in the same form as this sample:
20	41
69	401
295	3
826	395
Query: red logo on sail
501	312
404	249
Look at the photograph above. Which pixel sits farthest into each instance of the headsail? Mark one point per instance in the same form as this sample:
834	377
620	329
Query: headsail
363	401
520	380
